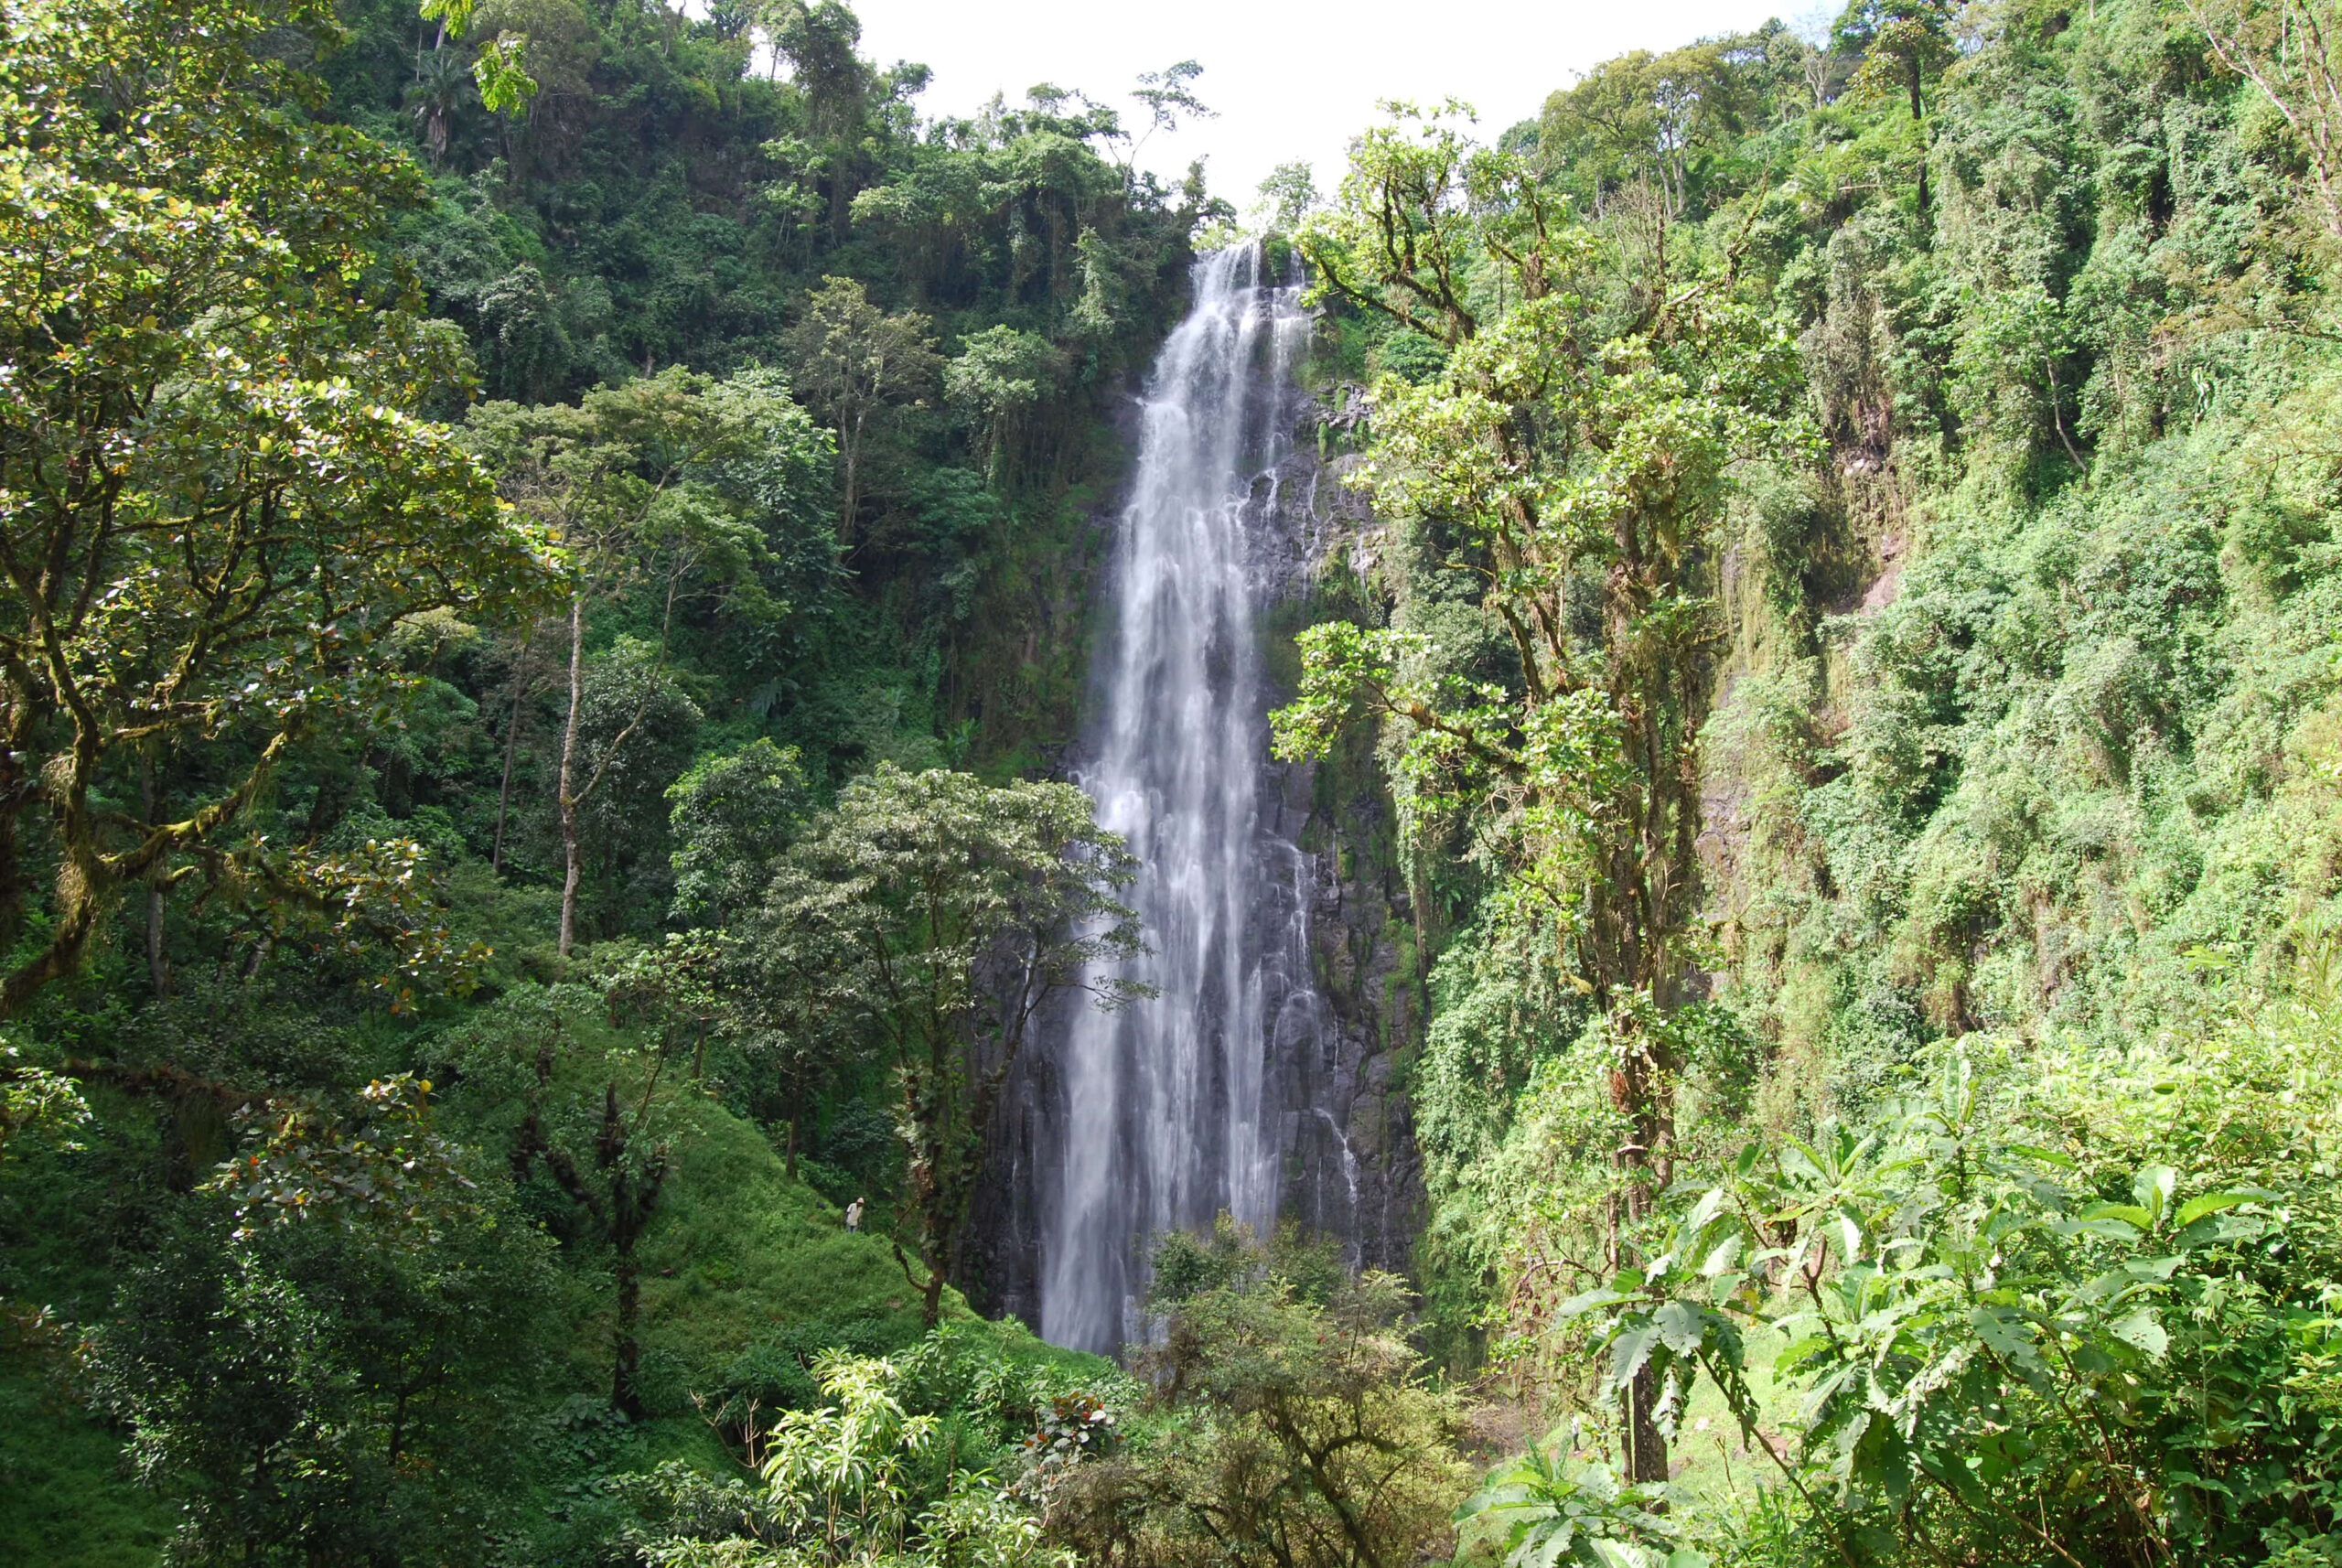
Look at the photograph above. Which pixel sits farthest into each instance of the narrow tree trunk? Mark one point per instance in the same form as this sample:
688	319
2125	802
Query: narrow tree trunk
931	1296
1646	1447
626	1394
572	867
633	1197
1639	1090
323	812
1916	113
158	967
511	746
398	1430
852	452
158	963
13	793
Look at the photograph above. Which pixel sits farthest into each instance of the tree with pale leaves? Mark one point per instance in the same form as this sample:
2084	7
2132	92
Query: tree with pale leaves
938	915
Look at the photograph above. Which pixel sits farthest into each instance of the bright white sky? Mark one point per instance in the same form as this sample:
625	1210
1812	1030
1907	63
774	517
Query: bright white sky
1292	78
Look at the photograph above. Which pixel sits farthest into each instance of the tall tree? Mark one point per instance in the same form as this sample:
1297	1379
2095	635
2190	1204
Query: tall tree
1655	118
1903	45
217	500
441	87
1573	456
590	1082
942	913
856	364
1319	1443
2291	51
997	378
613	1168
1287	196
1167	96
615	480
734	817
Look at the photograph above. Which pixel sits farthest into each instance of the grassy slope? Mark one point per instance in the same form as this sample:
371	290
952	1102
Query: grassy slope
738	1255
64	1499
739	1251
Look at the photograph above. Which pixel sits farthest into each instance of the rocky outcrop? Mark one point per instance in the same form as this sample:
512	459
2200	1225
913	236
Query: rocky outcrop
1352	1168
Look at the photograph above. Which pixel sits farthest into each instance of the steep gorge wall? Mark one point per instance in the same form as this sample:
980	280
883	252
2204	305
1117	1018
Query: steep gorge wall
1352	1169
1334	1086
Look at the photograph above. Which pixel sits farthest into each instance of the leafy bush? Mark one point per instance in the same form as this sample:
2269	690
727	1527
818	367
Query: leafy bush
1286	1430
2076	1302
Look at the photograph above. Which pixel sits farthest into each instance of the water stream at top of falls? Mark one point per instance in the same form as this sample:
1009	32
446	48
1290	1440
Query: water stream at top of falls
1167	1107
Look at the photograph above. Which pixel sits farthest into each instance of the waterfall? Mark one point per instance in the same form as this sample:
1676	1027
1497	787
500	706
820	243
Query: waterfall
1166	1106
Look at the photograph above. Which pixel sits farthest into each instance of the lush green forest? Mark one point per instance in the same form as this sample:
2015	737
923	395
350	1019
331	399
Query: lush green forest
551	550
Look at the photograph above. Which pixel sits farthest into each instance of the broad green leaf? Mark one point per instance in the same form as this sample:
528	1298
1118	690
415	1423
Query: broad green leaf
2141	1329
2130	1214
1631	1350
2196	1207
1556	1538
2002	1331
1711	1204
2217	1228
1481	1501
1681	1326
1797	1353
2107	1226
2135	1275
2046	1156
1586	1301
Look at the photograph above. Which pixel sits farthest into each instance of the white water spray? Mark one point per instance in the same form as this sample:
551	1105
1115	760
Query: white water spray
1168	1119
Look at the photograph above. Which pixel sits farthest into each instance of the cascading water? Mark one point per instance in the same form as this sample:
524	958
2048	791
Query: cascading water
1166	1106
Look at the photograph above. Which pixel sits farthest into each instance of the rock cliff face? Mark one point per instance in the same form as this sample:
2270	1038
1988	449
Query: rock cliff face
1352	1168
1334	1041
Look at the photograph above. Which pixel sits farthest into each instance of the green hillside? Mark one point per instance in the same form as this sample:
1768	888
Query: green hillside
548	558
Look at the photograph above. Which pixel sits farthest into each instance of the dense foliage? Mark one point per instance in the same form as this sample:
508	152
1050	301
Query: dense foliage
1965	762
1298	1430
508	513
545	551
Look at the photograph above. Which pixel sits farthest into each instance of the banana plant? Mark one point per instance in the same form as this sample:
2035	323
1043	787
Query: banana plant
1554	1508
1972	1333
837	1474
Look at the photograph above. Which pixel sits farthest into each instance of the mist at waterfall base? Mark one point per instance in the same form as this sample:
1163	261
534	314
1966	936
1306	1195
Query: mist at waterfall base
1166	1108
